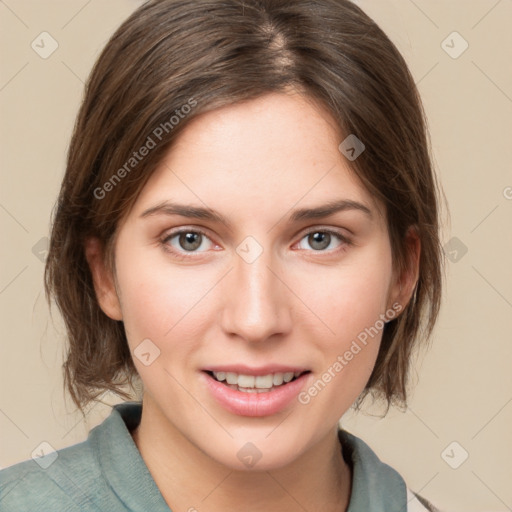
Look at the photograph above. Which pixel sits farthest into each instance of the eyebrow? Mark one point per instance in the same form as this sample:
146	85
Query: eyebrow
329	209
197	212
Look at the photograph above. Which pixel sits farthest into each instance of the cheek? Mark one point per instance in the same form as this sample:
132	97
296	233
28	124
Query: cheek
161	302
349	302
349	299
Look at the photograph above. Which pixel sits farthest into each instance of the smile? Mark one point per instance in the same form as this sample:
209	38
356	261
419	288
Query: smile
265	394
253	383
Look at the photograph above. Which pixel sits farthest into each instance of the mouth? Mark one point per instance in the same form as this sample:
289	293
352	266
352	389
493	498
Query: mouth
255	392
247	383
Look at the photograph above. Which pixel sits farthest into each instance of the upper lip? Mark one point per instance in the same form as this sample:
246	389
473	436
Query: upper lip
256	371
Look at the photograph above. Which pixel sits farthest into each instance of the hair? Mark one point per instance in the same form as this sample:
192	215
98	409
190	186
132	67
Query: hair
173	60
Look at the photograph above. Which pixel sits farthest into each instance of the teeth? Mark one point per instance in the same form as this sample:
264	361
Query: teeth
288	376
277	380
253	384
261	381
252	390
220	376
231	378
246	381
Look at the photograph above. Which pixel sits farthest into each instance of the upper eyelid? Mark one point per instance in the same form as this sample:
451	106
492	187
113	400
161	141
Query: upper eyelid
171	234
186	229
345	238
336	231
204	231
314	229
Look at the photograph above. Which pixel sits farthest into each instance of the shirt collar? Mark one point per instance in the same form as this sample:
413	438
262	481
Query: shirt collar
121	462
376	487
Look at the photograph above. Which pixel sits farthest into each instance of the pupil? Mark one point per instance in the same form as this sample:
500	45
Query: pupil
319	241
190	241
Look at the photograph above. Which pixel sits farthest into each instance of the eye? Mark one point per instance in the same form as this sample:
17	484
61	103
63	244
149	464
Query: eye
188	240
322	240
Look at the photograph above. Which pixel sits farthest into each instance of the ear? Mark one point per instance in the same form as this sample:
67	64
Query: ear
404	283
103	280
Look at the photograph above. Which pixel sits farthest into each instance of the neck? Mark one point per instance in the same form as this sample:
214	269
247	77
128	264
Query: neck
319	479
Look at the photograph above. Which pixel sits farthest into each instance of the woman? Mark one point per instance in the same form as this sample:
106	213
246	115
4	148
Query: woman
248	225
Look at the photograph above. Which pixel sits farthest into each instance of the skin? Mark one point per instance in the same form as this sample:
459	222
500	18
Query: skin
254	163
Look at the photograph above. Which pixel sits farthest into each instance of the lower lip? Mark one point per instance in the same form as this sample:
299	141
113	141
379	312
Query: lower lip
255	404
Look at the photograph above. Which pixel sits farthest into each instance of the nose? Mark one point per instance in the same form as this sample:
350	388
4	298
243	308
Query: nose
256	301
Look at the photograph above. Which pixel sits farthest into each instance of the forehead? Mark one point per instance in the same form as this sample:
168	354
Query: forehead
278	149
274	129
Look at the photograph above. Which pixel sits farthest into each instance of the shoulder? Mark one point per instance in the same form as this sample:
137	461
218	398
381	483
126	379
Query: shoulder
56	481
105	472
376	486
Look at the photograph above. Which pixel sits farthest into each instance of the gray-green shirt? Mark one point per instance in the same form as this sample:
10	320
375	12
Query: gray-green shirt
107	473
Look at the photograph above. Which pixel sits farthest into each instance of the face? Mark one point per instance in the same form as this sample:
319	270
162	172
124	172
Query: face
254	254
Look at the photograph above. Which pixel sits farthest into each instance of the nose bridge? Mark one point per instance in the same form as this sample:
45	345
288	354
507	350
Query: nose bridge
256	306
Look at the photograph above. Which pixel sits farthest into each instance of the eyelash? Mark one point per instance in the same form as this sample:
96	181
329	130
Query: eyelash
172	234
345	241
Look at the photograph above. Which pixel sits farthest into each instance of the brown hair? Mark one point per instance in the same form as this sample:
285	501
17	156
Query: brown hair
175	53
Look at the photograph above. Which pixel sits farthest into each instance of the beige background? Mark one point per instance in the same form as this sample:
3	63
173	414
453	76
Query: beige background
464	383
